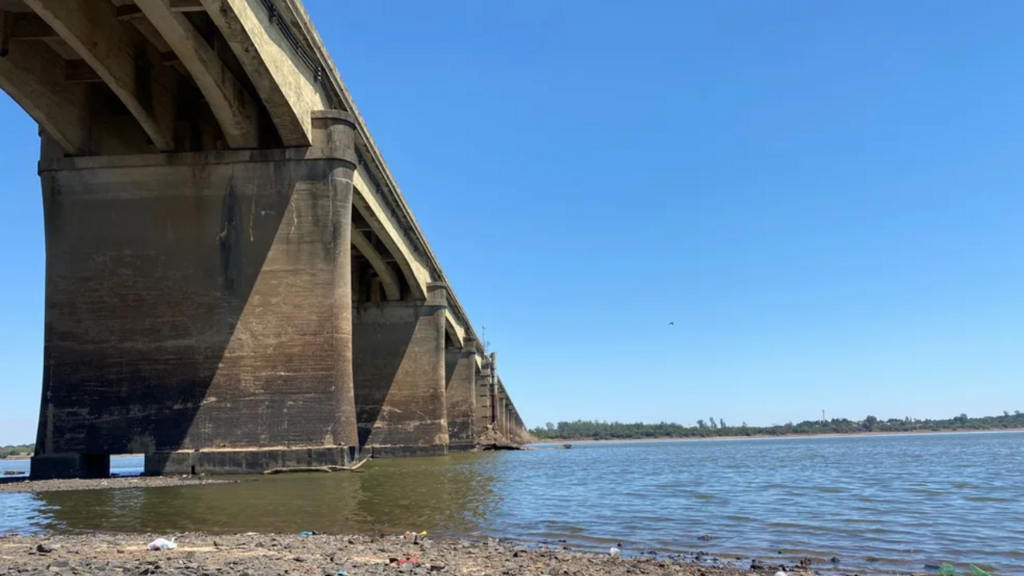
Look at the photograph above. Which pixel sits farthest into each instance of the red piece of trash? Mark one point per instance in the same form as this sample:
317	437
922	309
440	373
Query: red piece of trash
413	560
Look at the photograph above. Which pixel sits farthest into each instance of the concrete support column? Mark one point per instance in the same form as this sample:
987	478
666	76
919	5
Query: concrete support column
198	309
399	367
71	465
502	424
460	395
484	400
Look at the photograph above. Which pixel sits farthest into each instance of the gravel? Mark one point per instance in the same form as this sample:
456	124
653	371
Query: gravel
24	485
329	555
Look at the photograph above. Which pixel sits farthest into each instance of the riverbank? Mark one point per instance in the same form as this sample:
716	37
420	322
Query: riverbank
769	436
16	484
328	555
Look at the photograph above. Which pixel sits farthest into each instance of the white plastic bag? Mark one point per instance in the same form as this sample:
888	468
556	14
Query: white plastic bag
162	544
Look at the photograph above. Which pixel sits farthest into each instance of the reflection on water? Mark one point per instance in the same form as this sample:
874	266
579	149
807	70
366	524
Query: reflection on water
906	500
449	495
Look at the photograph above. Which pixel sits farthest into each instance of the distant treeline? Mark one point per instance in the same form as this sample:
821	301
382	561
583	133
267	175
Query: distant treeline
590	430
17	450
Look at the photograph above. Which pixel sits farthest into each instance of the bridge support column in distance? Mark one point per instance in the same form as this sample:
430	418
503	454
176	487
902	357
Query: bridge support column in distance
502	420
399	367
460	395
484	400
198	309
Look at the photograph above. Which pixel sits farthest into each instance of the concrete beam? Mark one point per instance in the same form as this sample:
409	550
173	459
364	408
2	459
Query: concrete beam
455	329
132	12
26	26
392	289
284	83
78	71
187	6
235	110
118	55
34	77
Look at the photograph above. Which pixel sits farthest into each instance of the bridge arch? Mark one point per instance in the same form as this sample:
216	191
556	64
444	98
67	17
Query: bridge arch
371	210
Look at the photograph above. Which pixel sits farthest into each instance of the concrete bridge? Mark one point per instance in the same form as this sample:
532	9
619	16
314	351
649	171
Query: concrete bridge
233	280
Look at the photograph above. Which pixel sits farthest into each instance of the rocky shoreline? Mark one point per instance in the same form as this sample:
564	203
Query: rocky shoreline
329	555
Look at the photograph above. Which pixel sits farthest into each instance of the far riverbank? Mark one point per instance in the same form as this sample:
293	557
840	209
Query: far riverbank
768	436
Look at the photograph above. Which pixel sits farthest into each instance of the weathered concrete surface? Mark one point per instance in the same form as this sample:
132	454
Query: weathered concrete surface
399	371
484	400
227	461
198	302
460	394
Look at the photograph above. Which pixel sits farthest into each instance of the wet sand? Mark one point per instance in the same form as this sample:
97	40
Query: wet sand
14	484
327	555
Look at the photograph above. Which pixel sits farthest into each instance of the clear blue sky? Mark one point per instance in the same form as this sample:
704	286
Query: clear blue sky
827	198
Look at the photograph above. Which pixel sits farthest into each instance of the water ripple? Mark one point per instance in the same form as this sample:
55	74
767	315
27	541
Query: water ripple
880	503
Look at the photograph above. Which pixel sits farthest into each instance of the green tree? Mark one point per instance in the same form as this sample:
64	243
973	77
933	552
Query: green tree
580	429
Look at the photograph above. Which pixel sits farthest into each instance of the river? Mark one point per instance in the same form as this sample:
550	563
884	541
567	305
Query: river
875	503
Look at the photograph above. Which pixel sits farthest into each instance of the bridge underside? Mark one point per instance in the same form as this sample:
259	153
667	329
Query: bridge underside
233	280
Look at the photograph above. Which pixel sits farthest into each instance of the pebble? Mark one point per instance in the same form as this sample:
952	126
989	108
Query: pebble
328	555
104	484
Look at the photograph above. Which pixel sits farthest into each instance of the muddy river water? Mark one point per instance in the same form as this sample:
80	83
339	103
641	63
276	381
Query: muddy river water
871	502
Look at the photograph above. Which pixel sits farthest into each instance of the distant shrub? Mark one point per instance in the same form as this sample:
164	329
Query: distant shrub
19	450
588	429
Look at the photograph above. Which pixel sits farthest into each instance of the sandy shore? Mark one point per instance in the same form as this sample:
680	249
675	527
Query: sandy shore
22	484
256	555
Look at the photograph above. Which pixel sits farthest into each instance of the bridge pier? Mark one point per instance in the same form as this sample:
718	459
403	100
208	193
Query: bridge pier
234	280
199	309
484	399
461	395
399	368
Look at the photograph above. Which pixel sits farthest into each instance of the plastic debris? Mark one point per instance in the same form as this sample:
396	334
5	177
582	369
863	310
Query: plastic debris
781	573
305	533
162	544
615	551
424	533
341	573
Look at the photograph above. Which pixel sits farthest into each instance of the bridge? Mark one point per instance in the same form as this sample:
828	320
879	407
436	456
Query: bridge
233	279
